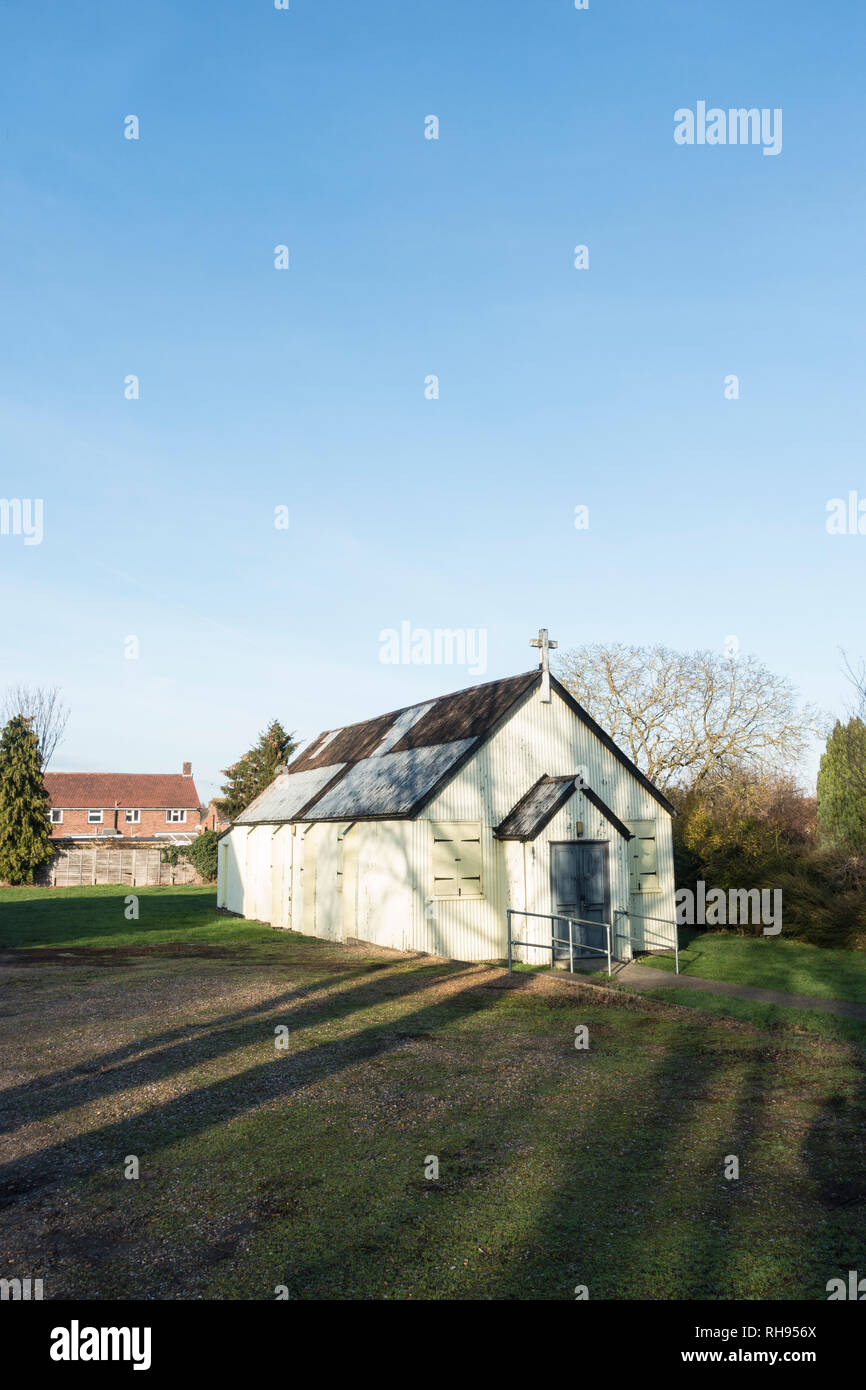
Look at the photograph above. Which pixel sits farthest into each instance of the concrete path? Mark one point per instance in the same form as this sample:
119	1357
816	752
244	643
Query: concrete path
644	977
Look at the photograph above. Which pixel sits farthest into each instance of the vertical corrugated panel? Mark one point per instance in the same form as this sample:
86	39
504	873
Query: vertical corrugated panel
391	861
388	883
546	739
310	878
250	864
328	916
298	853
233	894
257	873
281	870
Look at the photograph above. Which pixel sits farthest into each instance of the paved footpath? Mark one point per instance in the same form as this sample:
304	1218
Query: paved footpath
644	977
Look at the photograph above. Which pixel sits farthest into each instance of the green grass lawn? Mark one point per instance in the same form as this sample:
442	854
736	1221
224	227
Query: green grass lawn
96	916
765	1016
770	962
304	1167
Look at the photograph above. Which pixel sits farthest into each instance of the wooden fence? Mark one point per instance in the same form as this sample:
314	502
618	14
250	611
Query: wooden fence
139	865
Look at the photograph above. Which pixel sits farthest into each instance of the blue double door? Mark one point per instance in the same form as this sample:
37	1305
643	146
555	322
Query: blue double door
579	888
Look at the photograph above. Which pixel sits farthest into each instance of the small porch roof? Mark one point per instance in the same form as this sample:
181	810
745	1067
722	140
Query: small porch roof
528	817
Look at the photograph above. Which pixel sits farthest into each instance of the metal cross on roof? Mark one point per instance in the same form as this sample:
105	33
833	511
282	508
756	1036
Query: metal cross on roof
546	646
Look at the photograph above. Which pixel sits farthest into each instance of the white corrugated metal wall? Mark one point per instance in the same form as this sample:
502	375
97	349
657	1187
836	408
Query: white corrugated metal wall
542	739
379	886
232	871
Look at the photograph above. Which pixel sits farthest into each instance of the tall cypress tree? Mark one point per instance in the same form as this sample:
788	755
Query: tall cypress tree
842	788
25	832
255	770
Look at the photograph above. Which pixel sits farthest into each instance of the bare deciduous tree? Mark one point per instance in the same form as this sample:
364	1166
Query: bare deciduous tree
684	716
42	705
857	677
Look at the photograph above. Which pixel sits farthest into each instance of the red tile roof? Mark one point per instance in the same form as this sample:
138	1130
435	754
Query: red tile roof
143	790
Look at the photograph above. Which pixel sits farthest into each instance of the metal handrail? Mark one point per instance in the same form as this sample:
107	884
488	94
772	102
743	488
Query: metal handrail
645	917
557	940
624	912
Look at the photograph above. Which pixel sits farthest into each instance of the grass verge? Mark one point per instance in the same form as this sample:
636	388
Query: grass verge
770	963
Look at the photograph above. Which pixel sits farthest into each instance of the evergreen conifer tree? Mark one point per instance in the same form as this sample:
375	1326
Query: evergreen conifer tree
255	770
25	831
842	788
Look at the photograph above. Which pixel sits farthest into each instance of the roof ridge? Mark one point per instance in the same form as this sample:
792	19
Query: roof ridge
55	773
431	700
461	723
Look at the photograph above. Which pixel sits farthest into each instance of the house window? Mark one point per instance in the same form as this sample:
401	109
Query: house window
175	817
133	817
55	816
643	856
457	860
94	817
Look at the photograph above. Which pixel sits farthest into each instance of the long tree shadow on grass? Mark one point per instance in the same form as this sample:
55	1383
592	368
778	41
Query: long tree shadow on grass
610	1183
671	1223
622	1211
89	1081
834	1150
480	1192
281	1076
54	1092
476	1156
676	1226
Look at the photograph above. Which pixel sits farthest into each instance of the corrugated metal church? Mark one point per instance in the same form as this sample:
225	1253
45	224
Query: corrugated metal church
420	828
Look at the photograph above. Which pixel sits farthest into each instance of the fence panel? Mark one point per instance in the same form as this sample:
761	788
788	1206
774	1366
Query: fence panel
139	865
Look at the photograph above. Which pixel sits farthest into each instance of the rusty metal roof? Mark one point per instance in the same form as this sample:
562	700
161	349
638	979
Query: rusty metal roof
465	714
390	784
391	766
388	767
528	817
288	795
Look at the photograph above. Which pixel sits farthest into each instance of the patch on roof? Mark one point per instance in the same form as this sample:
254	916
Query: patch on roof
319	744
528	817
401	726
391	784
466	714
288	795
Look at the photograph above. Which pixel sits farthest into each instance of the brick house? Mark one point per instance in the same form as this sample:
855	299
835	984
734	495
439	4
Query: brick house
133	805
213	819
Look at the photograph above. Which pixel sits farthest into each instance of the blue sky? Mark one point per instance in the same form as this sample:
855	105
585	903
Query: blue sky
410	257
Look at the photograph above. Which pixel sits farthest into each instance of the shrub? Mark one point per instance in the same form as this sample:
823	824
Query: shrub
760	833
202	854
